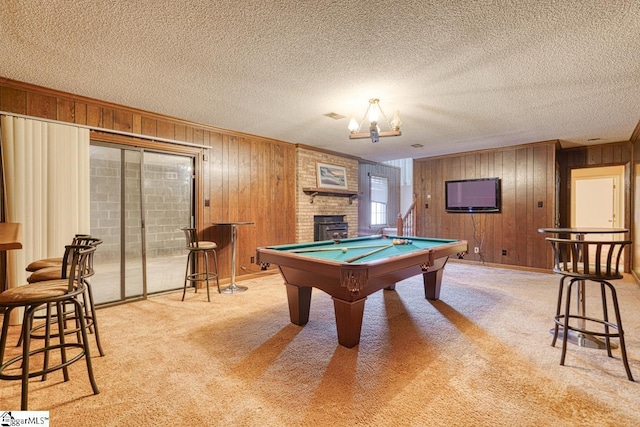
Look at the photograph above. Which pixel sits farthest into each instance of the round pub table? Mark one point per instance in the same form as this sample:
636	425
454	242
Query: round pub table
233	288
577	338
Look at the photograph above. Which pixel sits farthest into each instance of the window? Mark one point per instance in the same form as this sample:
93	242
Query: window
379	190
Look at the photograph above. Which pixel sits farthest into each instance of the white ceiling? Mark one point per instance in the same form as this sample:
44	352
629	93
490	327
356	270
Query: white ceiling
464	75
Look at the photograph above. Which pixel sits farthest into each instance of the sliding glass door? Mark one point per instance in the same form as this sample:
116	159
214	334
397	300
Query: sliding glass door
139	201
168	206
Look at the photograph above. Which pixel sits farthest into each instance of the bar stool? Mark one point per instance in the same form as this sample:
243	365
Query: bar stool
53	262
583	261
195	247
61	272
31	297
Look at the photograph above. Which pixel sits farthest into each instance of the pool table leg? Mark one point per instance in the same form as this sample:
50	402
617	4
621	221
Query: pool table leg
299	298
348	320
432	277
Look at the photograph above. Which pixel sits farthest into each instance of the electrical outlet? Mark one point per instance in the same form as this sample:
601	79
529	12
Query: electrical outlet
253	260
476	250
504	252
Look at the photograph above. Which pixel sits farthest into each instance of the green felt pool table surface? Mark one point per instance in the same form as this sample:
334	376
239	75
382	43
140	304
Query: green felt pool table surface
345	249
351	269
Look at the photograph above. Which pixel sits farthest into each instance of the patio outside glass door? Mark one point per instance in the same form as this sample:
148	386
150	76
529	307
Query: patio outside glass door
139	201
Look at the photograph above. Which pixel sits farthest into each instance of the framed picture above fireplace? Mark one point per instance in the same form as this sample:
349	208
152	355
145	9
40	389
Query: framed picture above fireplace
331	176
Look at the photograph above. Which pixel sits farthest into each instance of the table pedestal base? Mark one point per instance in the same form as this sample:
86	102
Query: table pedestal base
233	289
582	340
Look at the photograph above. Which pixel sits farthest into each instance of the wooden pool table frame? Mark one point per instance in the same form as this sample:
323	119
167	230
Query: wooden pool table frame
349	284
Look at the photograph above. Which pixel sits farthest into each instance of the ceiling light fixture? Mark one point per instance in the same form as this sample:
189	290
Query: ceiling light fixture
373	113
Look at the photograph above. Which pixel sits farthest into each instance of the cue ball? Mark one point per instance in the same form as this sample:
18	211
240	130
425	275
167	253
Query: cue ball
344	250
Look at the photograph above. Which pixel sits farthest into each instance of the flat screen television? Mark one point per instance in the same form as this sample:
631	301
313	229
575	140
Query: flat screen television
472	195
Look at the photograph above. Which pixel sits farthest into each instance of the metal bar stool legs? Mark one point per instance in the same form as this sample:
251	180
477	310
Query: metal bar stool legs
24	359
194	246
584	262
90	316
616	309
206	273
556	330
607	332
61	271
196	276
48	294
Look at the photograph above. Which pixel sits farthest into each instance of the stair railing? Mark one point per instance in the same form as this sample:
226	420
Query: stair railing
406	224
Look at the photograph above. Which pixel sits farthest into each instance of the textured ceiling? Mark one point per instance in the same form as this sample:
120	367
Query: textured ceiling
464	75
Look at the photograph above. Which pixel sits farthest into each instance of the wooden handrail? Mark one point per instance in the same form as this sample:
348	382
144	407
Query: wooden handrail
406	224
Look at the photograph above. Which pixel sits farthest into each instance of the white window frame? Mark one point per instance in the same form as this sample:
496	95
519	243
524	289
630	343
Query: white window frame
379	200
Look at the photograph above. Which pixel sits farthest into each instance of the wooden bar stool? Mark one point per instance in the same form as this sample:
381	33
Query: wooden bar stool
195	247
583	262
31	297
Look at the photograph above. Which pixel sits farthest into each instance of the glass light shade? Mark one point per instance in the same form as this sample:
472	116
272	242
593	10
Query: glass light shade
373	112
353	125
396	122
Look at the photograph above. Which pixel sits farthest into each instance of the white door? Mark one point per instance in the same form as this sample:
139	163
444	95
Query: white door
597	197
595	202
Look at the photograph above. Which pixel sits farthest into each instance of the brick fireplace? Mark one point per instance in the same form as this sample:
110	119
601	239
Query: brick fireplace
308	207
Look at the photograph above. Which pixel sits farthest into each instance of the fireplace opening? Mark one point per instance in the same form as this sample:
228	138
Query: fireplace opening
329	227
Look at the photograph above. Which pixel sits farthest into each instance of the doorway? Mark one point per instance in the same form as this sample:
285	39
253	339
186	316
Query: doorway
597	200
139	201
597	197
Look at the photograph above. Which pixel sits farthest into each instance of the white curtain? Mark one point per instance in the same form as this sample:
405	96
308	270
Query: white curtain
46	176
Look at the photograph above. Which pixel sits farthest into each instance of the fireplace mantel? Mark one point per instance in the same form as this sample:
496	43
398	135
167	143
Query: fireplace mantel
315	191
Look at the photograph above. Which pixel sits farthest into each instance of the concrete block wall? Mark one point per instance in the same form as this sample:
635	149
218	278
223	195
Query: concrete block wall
167	196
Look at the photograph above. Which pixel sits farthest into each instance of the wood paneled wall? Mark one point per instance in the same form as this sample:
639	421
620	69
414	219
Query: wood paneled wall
527	179
392	173
248	179
245	177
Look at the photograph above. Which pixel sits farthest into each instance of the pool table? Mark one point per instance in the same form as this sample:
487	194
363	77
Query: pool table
351	269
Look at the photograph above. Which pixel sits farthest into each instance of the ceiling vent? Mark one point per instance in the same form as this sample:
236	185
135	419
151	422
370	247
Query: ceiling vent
335	116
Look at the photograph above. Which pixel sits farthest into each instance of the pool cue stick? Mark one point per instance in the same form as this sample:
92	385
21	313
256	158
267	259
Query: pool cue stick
367	246
297	251
355	258
340	248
